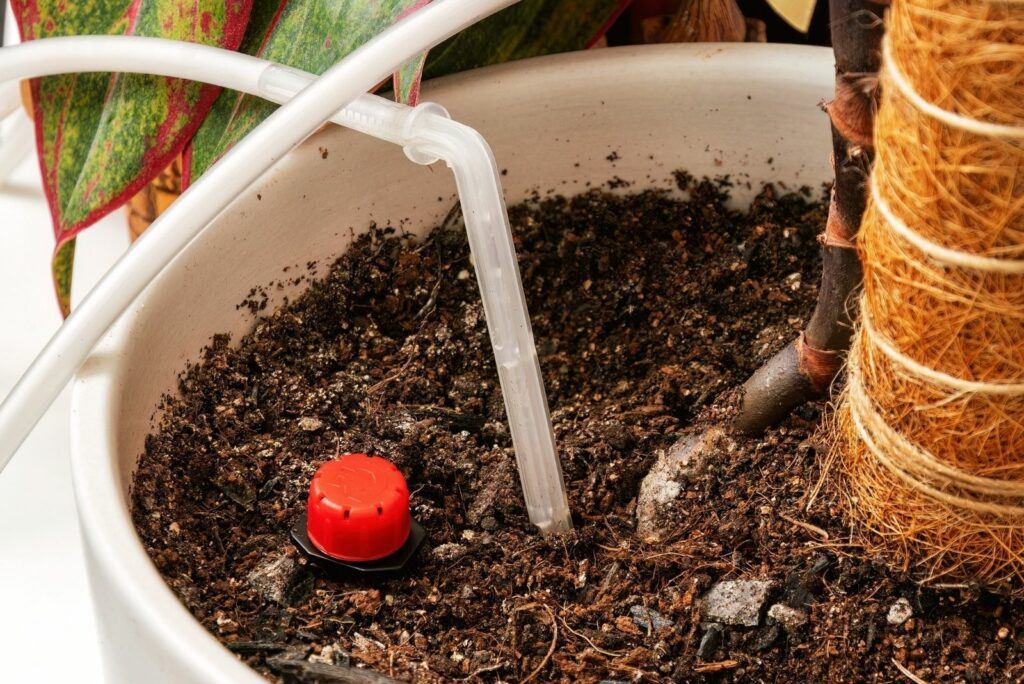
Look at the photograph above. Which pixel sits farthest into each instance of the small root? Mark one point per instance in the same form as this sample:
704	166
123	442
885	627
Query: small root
907	673
610	654
554	637
813	529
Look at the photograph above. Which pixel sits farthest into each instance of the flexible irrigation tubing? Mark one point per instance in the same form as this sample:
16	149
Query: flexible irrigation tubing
353	76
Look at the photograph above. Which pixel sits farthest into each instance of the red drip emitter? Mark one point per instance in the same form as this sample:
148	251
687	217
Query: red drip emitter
357	517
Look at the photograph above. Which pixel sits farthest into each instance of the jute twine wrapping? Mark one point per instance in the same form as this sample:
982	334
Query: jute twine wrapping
929	434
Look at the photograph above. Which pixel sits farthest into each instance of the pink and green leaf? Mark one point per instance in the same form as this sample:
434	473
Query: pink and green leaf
406	81
102	137
311	35
63	266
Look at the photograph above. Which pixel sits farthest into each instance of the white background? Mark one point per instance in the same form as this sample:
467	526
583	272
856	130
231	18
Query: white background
47	631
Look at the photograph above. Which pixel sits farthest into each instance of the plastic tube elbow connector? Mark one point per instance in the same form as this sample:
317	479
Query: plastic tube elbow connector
420	119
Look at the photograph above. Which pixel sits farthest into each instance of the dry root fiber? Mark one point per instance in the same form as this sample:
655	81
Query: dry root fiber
929	435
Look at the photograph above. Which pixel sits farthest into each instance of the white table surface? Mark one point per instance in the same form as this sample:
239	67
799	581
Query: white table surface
47	632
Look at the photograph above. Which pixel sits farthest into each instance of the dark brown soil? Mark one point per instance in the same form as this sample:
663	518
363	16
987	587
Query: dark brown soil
647	312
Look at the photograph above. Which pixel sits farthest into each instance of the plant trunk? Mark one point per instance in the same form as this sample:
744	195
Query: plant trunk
147	205
706	21
693	21
807	366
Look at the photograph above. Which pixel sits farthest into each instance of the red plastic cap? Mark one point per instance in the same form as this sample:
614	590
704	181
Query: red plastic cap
358	508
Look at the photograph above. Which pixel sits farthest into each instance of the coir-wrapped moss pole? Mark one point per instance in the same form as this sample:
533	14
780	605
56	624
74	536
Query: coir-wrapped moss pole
929	437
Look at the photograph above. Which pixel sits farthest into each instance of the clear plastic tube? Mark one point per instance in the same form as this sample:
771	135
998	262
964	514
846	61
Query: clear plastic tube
425	132
497	271
230	176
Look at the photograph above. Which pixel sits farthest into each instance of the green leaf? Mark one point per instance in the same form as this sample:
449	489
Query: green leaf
102	137
307	35
63	265
529	28
311	35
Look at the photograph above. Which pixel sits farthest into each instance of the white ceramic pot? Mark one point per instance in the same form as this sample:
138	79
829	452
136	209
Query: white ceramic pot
749	111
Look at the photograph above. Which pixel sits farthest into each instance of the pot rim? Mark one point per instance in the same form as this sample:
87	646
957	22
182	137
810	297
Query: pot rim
113	548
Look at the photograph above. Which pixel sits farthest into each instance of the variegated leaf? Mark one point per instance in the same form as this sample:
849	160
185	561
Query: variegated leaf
306	34
101	137
63	267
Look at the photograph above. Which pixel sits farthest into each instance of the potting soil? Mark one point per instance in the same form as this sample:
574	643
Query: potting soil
648	312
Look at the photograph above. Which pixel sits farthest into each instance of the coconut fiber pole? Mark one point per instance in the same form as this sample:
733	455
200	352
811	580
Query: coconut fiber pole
929	436
806	368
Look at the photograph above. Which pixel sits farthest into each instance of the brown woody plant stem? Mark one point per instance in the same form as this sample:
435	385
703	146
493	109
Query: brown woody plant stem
806	367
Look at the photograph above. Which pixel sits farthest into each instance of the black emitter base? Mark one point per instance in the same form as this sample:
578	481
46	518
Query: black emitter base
387	566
